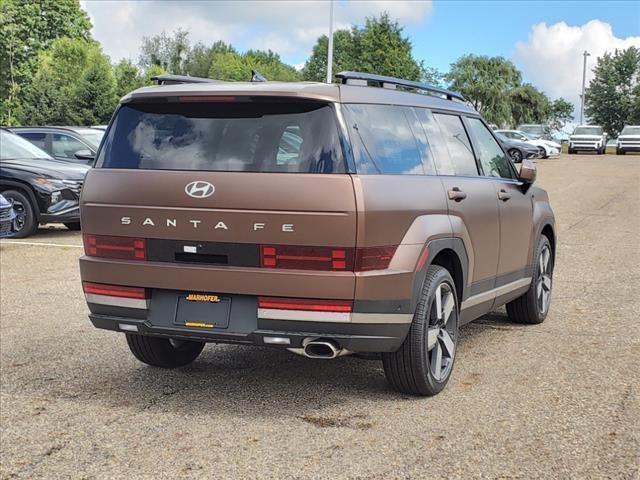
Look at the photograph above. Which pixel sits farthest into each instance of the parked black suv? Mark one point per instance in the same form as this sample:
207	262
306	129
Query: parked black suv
43	190
67	144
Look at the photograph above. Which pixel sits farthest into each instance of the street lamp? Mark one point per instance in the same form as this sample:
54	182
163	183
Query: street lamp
585	54
330	52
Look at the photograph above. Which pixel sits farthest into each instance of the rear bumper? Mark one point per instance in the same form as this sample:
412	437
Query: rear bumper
355	337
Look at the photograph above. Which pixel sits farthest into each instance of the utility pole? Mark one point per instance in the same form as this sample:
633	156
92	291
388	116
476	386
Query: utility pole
584	78
330	52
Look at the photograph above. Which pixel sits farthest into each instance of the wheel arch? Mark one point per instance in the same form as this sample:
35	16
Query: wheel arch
6	184
449	253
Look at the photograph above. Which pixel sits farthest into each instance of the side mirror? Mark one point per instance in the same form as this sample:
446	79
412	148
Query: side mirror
527	172
84	155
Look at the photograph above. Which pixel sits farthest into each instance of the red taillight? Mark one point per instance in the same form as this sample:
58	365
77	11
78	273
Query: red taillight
310	305
306	258
114	290
326	258
374	258
125	248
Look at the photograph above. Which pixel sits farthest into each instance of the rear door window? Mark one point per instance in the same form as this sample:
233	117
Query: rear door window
382	140
441	158
243	136
458	144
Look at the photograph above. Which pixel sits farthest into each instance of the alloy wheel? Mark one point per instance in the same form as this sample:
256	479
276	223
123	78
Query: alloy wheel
516	155
21	215
543	281
441	334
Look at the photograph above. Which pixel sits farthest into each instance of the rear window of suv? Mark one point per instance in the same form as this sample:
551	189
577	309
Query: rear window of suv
249	136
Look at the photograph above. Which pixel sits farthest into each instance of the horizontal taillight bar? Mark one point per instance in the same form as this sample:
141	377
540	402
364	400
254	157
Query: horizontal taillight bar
119	291
125	248
326	258
309	305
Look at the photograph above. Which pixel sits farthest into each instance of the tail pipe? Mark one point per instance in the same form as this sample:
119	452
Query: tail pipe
320	348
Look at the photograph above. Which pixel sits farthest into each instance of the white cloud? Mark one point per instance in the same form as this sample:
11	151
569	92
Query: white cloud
552	59
288	27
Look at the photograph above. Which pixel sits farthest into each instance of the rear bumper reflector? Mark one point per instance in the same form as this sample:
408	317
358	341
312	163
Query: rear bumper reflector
141	304
303	315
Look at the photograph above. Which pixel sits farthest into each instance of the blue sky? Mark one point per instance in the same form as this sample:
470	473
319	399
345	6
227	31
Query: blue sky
544	39
455	28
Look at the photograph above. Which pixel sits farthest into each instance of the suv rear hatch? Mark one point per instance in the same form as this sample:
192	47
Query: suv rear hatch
243	195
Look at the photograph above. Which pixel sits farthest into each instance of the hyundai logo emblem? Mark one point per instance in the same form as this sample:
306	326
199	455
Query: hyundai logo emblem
199	189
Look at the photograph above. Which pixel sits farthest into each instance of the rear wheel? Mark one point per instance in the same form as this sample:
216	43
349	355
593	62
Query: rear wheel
25	223
163	352
75	226
533	306
423	364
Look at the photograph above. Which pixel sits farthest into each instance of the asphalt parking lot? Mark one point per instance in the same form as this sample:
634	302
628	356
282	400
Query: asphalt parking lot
557	400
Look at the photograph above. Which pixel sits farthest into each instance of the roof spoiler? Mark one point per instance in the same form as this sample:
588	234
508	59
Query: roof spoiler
369	79
175	79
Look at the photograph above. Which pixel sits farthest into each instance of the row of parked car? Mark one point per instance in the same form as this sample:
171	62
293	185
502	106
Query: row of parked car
42	171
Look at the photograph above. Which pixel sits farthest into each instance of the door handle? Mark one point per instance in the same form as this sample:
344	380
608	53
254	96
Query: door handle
504	195
456	194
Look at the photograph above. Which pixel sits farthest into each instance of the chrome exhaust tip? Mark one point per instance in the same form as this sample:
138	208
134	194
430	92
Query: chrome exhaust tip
320	348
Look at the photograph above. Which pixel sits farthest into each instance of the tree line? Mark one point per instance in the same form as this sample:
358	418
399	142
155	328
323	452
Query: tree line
54	72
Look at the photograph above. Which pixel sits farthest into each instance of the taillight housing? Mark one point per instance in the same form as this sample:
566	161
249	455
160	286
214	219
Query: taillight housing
306	258
326	258
125	248
119	291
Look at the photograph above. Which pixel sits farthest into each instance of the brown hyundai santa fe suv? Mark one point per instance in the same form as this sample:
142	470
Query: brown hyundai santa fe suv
378	215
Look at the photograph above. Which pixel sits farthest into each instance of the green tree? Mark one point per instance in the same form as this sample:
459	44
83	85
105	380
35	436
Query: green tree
27	27
379	47
560	112
487	83
611	99
74	84
234	67
166	51
200	58
528	105
127	77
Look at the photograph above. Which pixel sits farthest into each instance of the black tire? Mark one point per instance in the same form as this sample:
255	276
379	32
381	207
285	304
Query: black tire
620	152
26	223
163	352
74	226
571	151
530	308
516	155
411	368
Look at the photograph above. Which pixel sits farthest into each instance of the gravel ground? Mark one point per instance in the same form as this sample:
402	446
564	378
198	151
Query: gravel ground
557	400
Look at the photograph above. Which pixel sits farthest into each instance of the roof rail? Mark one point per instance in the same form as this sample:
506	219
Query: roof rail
174	79
392	82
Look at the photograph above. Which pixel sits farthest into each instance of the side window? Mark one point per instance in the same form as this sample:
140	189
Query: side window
441	156
382	140
458	144
65	146
38	139
493	160
422	141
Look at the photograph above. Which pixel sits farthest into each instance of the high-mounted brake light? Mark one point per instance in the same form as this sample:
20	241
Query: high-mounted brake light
306	304
119	291
125	248
326	258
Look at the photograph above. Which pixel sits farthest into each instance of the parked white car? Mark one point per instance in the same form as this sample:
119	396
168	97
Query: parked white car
548	148
588	137
628	140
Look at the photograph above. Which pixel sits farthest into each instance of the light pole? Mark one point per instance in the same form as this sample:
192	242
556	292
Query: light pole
585	54
330	52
